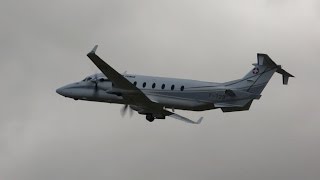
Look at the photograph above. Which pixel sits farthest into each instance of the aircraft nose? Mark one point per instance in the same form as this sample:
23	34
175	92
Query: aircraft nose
61	91
69	90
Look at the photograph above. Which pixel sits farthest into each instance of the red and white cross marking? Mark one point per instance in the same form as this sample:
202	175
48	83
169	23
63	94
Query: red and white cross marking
255	70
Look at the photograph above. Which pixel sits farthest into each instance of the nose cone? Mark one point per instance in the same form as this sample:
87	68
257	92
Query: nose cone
73	90
62	91
67	91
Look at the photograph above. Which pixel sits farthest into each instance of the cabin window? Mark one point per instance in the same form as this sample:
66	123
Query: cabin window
182	88
153	85
135	83
163	86
172	87
144	84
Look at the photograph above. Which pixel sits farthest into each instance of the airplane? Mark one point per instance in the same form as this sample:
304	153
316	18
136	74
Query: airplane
154	97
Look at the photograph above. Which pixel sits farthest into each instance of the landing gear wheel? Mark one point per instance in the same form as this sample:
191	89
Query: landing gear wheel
149	117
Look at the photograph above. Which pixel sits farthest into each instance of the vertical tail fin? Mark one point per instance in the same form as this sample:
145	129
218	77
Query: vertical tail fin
257	79
269	63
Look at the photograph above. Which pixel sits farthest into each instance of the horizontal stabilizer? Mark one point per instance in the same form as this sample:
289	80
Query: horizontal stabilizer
233	109
285	75
237	105
225	105
239	93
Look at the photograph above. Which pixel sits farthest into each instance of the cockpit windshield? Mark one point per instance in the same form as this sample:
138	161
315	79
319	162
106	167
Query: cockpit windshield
87	79
101	79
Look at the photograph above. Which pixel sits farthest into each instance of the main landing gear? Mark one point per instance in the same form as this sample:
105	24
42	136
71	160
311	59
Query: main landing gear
149	117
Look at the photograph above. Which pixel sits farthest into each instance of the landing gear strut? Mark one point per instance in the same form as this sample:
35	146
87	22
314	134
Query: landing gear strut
149	117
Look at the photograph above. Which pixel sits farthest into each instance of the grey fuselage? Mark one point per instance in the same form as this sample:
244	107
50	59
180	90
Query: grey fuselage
170	92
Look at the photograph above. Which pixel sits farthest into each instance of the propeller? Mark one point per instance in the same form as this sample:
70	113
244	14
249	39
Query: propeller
95	81
124	110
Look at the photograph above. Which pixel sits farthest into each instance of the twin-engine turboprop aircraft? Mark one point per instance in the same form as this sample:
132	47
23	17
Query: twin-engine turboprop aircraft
153	96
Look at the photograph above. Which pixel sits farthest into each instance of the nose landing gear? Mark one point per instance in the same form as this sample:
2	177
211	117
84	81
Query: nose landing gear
149	117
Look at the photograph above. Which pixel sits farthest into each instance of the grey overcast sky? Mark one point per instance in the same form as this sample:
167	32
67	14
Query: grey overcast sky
43	45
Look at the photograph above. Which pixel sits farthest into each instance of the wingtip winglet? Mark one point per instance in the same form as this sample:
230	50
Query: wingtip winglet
93	51
199	121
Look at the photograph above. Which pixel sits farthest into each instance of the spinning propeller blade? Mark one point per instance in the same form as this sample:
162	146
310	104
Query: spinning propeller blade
124	110
95	82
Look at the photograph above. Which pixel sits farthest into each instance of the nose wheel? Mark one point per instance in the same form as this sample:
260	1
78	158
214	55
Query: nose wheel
149	117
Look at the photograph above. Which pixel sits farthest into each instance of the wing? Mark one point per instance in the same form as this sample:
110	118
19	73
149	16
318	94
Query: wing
177	116
130	91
